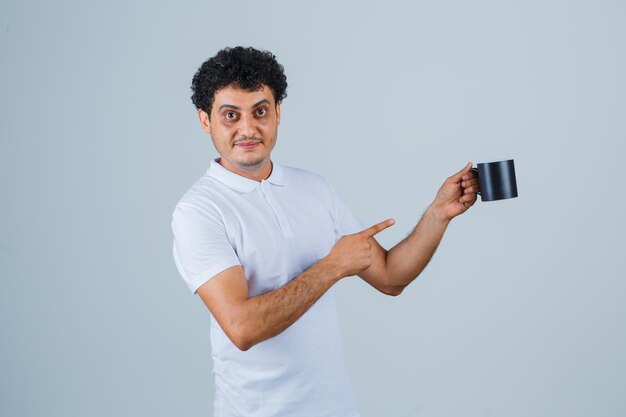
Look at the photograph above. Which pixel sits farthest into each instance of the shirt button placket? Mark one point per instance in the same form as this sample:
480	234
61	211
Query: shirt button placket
268	195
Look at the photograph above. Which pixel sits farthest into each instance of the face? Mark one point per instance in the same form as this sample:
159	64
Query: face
243	126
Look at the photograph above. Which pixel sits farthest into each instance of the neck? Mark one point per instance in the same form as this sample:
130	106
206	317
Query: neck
257	172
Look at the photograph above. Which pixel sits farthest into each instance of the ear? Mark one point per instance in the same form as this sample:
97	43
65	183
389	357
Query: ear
204	121
277	113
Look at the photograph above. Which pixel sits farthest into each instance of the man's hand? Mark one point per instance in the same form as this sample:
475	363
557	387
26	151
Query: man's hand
352	254
250	320
456	195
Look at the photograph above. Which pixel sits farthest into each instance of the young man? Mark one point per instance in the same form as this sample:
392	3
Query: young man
263	244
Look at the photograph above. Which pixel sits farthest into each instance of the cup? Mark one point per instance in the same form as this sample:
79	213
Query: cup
497	180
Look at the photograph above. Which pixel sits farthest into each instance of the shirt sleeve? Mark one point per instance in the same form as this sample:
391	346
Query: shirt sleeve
345	221
201	246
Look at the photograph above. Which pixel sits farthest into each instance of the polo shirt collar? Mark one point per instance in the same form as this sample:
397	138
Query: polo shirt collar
243	184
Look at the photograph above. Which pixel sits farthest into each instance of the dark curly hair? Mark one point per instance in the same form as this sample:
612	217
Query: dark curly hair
247	68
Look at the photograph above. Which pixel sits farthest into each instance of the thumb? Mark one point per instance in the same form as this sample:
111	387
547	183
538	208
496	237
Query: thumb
459	175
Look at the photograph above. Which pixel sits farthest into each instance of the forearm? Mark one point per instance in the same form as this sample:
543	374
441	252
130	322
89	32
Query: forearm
267	315
406	260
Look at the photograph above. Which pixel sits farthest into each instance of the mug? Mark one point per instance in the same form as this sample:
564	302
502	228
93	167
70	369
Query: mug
497	180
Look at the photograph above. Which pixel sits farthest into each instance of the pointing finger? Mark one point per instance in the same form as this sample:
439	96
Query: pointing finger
377	228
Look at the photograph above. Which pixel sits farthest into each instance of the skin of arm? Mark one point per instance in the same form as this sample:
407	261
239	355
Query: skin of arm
248	321
391	271
251	320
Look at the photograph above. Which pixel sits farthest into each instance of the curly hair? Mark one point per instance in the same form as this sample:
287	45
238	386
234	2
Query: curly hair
247	68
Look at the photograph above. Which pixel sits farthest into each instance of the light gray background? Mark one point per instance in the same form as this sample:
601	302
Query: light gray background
521	312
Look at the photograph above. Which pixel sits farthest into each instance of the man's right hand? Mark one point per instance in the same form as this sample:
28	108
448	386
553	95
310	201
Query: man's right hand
250	320
352	254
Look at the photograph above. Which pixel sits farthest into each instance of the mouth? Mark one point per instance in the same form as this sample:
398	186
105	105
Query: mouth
247	144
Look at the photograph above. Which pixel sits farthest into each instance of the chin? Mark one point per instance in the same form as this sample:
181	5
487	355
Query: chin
251	163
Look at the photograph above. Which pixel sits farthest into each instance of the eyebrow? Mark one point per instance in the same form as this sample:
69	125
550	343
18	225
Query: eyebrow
257	104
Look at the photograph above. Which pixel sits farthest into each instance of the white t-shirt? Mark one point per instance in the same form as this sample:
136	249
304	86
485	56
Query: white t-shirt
275	229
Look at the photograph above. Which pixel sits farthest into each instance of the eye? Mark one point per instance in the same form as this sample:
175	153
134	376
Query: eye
261	112
231	115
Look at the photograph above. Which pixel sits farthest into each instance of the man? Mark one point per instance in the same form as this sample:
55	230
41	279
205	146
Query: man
263	244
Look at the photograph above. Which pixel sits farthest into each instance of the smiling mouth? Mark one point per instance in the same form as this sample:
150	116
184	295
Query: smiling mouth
248	144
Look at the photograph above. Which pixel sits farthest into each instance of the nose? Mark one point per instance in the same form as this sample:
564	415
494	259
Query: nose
247	126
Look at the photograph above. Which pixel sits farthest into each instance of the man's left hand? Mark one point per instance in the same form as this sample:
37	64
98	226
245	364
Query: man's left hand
457	194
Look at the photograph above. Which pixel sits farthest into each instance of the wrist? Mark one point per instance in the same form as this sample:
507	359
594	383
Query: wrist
437	214
329	271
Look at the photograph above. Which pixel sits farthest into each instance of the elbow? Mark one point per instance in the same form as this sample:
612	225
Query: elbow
393	291
241	337
242	344
243	329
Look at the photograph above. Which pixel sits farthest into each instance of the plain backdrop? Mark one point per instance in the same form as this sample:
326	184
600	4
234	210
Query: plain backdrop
522	310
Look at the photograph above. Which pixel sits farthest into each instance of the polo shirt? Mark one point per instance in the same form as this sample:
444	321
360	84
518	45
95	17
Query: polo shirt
275	229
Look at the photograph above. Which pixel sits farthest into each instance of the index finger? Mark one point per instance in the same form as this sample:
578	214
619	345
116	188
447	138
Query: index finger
377	228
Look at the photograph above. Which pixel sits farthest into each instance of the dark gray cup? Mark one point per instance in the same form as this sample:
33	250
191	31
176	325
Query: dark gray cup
497	180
